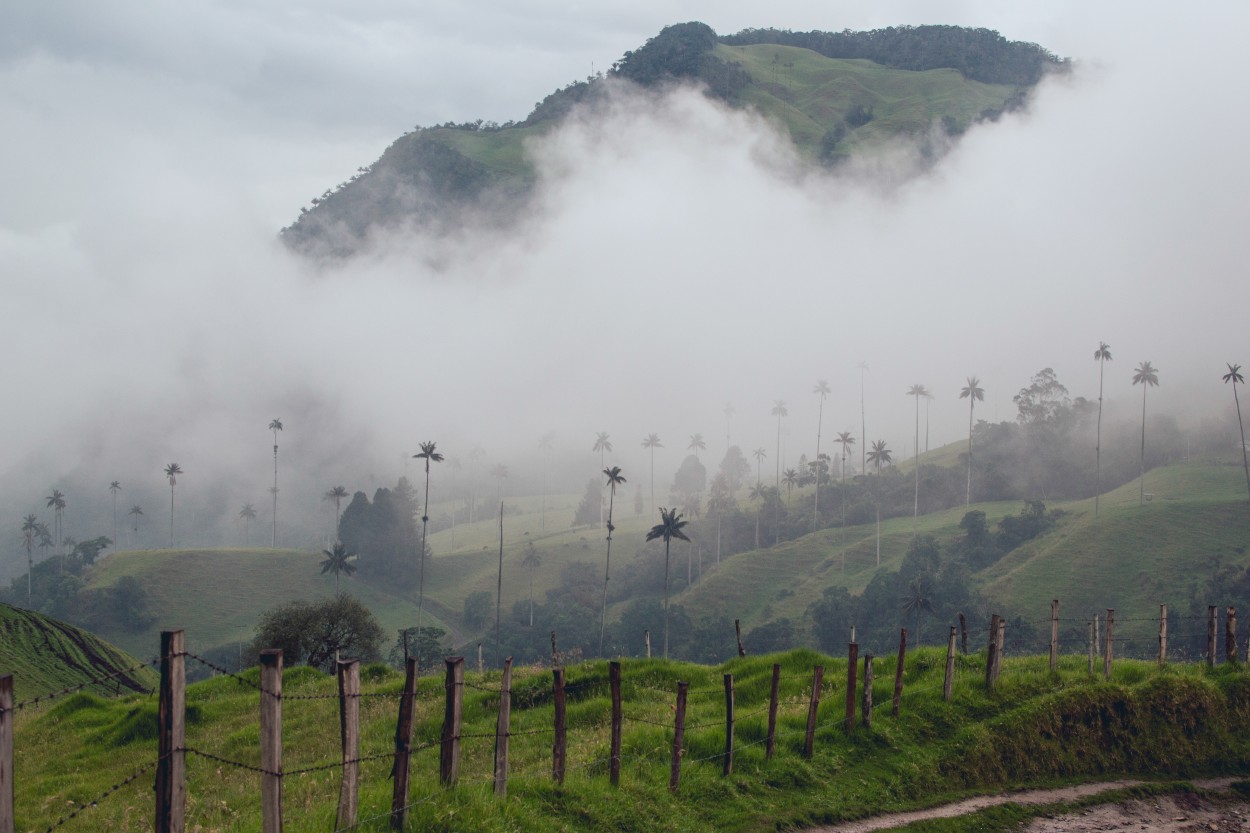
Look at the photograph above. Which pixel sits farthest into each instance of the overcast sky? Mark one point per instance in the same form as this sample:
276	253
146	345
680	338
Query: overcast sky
151	151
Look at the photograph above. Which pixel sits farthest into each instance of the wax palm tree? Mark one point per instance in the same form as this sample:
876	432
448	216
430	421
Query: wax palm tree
696	444
917	600
789	477
615	478
779	410
135	513
652	442
822	389
336	494
275	425
429	454
531	562
758	492
30	533
115	487
1234	377
1147	376
602	445
863	425
172	471
917	391
248	514
844	439
759	455
338	561
928	400
879	456
544	445
56	502
972	392
669	527
1102	355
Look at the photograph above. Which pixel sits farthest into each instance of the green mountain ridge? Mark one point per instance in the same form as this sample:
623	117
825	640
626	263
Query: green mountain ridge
837	96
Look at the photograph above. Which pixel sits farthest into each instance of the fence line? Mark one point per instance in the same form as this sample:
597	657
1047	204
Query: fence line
803	694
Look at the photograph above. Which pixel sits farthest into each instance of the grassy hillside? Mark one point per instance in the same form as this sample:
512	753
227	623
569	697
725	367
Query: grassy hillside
45	655
1037	729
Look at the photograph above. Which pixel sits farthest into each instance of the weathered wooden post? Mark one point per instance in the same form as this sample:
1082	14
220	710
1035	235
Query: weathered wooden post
646	635
963	627
729	726
865	707
1210	636
449	750
770	743
1163	634
991	653
1002	646
742	651
271	740
503	730
949	680
401	769
852	669
1110	643
1090	625
555	654
679	737
1054	635
559	748
813	706
171	767
898	671
1230	634
1097	636
349	730
614	680
481	664
6	755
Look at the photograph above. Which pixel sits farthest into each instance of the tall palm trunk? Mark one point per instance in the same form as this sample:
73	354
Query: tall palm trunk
778	484
916	510
1098	441
499	584
820	420
971	404
1141	488
171	516
1245	462
607	566
425	520
666	550
273	543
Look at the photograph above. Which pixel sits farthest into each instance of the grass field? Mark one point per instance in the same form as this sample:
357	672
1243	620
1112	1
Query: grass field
1037	728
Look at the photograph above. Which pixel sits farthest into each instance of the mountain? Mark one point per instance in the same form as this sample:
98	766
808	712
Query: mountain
837	95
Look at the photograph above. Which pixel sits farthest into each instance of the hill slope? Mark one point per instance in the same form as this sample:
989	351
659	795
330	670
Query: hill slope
836	95
45	655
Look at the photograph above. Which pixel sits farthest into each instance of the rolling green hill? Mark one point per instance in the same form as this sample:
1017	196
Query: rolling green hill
45	655
835	95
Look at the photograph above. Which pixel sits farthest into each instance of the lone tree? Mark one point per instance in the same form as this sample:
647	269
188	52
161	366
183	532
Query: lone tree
1233	377
1147	376
316	632
430	455
172	471
669	527
1102	355
615	478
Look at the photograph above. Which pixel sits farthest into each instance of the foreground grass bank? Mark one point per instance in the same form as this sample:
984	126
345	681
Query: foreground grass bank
1037	728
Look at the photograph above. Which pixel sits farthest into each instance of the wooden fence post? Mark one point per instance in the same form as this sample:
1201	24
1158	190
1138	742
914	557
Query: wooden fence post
559	747
1210	636
646	635
271	740
401	769
991	653
349	728
1054	635
614	766
950	667
1090	625
963	627
1109	645
555	654
729	725
865	707
6	754
171	769
742	651
1097	637
898	671
1163	634
1002	648
449	751
679	736
503	730
1230	634
481	663
772	713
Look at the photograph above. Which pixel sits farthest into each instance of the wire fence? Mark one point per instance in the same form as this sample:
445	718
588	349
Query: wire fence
736	719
